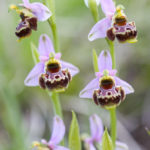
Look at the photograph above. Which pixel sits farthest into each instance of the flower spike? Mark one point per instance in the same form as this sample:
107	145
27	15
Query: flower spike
51	72
106	89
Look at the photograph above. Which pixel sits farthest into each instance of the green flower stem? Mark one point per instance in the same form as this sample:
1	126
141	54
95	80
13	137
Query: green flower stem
52	22
112	111
56	103
113	119
94	10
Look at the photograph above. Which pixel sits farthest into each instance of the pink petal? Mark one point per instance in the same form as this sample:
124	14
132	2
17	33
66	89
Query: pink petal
26	3
96	127
121	146
73	69
58	131
99	29
91	147
60	148
57	55
45	46
87	92
40	11
108	7
104	61
87	3
126	86
33	77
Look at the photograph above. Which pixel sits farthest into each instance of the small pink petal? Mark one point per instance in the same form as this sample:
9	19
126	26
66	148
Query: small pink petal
26	3
57	55
121	146
45	46
99	29
73	69
43	58
126	86
99	74
87	92
43	141
104	61
60	148
96	127
58	131
91	147
112	72
108	7
33	77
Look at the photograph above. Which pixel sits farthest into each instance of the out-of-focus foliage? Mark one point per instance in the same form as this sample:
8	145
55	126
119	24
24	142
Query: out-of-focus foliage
30	109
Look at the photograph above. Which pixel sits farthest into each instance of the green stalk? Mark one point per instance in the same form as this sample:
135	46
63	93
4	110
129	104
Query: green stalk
56	103
112	111
52	22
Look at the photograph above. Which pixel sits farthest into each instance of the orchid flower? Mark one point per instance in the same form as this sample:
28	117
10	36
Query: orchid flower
96	128
30	13
106	89
114	25
56	137
51	72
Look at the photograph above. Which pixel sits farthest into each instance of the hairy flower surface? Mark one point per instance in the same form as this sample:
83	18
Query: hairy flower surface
96	128
30	14
114	25
106	89
56	137
51	72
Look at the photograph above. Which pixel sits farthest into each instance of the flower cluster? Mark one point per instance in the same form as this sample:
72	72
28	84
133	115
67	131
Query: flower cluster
51	72
56	137
30	14
114	25
106	89
96	128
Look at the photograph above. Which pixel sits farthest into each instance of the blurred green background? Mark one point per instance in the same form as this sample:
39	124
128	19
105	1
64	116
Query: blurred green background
26	112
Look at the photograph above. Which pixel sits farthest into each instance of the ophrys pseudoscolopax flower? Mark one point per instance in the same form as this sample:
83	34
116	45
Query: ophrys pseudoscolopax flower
106	89
96	128
51	72
30	14
114	25
56	137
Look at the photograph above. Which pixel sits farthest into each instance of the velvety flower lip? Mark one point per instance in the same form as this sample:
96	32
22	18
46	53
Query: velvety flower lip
38	9
45	50
105	65
87	2
97	129
100	28
56	137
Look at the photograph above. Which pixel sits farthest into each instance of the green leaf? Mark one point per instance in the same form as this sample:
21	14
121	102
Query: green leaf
95	61
74	134
106	141
35	53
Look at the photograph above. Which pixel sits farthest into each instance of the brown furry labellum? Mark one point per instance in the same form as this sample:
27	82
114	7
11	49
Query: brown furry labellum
109	98
123	33
26	26
55	81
